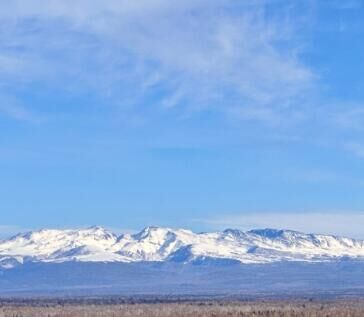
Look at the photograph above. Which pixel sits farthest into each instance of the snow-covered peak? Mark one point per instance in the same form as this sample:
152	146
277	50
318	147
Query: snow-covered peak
273	233
152	233
52	236
167	244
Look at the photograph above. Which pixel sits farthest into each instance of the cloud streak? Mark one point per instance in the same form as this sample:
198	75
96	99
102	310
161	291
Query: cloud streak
12	107
192	55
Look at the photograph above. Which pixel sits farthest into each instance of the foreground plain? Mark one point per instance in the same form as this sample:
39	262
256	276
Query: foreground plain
337	308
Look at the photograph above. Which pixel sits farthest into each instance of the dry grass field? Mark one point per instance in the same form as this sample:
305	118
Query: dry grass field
338	308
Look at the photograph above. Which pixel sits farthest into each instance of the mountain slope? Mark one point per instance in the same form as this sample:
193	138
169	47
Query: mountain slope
154	244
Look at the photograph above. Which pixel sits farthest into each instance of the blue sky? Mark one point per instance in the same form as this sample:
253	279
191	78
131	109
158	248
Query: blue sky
200	114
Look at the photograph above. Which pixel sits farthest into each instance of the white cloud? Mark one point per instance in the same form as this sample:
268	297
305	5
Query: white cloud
346	5
347	223
197	54
349	116
355	148
12	107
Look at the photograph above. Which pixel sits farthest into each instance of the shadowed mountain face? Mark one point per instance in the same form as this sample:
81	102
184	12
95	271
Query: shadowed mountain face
154	244
205	278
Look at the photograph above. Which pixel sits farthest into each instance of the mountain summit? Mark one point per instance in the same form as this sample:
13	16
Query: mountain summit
156	244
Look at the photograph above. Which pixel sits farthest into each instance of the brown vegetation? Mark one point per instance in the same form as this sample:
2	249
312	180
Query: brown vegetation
190	309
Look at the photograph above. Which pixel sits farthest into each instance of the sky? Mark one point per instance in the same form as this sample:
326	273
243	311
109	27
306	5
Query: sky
196	113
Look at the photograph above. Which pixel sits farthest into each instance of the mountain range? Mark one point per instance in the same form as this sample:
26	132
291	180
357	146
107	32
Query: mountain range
157	244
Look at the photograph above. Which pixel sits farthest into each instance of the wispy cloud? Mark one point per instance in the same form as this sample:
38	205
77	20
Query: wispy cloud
355	148
346	5
349	116
344	222
12	107
192	54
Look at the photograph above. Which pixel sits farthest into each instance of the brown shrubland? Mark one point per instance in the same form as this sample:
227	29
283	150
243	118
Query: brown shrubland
338	308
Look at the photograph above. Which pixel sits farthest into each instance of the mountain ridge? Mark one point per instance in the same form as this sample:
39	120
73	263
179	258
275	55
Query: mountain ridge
161	244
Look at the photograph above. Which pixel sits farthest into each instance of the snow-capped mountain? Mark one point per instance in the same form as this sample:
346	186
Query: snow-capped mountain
97	244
